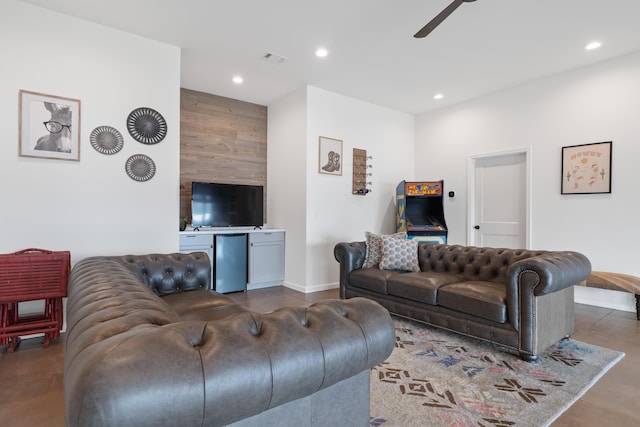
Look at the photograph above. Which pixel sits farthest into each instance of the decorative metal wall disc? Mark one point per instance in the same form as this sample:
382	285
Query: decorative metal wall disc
146	125
106	140
140	167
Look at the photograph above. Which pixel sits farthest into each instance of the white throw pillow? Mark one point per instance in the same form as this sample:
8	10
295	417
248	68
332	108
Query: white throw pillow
374	248
399	254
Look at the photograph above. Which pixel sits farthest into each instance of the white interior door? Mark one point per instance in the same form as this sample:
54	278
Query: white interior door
499	209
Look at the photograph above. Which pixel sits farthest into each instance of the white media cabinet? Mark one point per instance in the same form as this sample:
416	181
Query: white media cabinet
265	252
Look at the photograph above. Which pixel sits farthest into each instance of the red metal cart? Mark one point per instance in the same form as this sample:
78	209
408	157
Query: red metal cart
29	275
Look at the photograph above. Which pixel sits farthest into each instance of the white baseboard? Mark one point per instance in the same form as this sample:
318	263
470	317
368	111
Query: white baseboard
293	286
624	301
311	289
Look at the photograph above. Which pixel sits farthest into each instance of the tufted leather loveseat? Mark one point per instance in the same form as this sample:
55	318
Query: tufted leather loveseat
520	299
149	345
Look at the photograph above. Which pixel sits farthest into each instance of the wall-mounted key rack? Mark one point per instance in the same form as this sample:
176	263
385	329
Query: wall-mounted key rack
361	172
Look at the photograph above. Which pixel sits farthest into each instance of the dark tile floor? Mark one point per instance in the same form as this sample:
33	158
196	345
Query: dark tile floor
31	378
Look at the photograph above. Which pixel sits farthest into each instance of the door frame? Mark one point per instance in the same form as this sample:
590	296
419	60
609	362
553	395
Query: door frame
471	189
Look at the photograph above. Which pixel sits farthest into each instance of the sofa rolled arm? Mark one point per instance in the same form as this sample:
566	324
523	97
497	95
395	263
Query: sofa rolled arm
540	275
547	273
351	256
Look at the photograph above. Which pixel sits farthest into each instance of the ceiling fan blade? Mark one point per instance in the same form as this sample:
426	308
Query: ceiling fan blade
424	31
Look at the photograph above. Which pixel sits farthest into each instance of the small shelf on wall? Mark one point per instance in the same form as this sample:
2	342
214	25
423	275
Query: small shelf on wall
361	173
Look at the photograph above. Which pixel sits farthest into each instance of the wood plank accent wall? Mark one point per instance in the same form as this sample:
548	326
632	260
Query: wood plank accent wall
221	140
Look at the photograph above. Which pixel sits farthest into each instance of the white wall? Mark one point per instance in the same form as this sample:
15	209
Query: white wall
287	179
331	213
593	104
90	207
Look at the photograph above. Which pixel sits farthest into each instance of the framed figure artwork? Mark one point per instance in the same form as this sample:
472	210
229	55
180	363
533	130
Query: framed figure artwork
49	126
586	169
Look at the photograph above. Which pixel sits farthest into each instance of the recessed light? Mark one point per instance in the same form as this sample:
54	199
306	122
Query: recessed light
238	80
593	45
322	52
438	96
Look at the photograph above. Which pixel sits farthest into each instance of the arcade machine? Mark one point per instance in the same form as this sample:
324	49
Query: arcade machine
420	211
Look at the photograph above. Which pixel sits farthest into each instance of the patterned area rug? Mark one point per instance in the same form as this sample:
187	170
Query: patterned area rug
436	378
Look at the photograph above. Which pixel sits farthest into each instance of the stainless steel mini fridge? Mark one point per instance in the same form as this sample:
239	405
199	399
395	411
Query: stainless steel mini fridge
231	263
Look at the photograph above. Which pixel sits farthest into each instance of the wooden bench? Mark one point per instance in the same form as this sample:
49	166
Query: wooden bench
615	282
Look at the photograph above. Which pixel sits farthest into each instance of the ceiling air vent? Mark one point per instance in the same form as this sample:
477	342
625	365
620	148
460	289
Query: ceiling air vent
275	58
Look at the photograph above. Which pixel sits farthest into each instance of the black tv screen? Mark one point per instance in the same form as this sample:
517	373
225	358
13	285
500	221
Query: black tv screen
226	205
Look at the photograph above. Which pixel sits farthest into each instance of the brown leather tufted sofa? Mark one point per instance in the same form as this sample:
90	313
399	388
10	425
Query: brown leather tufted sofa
520	299
149	345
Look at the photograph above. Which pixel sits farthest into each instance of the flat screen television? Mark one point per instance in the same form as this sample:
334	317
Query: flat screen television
226	205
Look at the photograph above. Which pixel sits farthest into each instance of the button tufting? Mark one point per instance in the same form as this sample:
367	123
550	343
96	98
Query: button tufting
255	330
